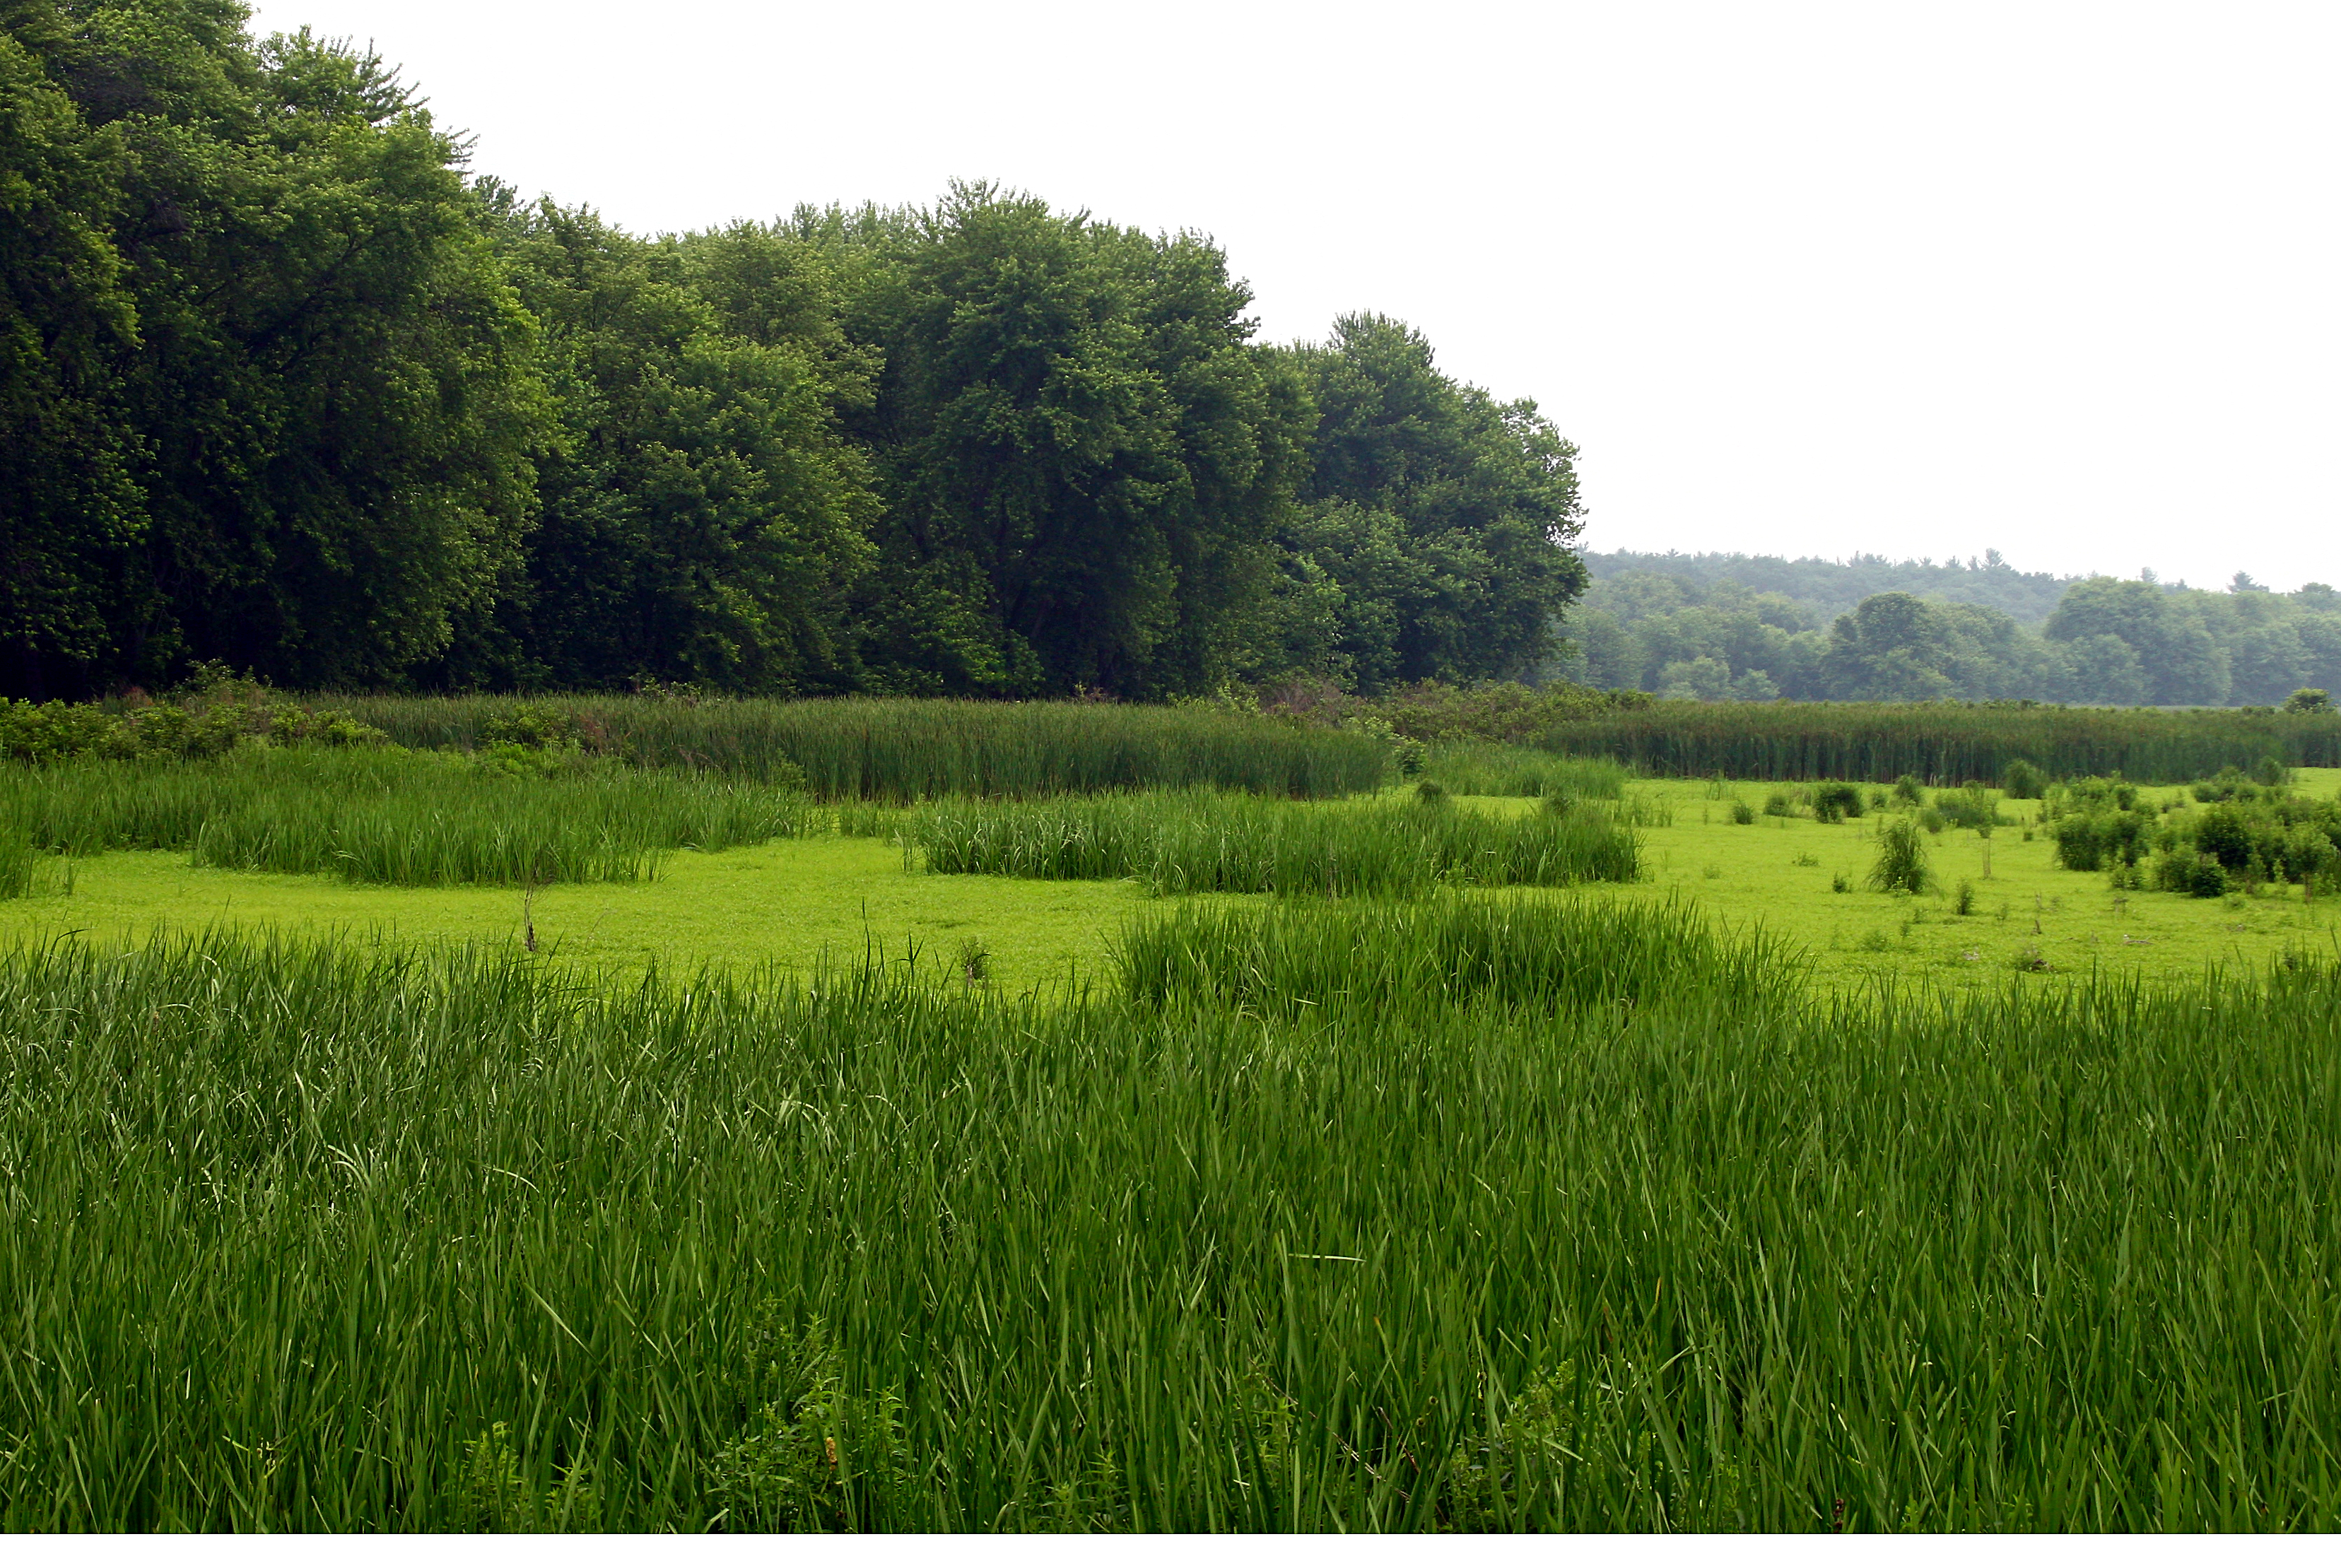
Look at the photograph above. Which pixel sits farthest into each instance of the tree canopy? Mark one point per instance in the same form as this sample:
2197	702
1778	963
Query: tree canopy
291	388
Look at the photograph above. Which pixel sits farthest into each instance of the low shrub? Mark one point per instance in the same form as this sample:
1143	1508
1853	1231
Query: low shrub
1834	802
1901	865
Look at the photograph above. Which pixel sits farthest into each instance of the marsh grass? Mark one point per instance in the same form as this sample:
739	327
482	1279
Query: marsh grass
1944	742
901	751
1538	954
1204	842
308	1238
1520	771
392	817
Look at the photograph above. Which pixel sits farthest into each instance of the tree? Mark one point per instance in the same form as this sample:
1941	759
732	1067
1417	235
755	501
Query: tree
311	460
1445	515
69	502
704	517
1083	457
2181	661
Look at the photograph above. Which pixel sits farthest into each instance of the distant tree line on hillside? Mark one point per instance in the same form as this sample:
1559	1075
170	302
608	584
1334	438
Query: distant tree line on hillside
2105	640
1828	589
286	388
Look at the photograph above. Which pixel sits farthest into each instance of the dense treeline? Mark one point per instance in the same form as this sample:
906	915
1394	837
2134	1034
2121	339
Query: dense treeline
1721	627
288	389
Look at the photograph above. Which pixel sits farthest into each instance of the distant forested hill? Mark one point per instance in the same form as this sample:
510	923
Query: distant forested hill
1754	627
1830	588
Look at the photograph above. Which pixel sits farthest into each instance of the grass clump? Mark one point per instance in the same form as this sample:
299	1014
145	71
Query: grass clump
1517	770
1214	843
411	819
1901	865
1536	954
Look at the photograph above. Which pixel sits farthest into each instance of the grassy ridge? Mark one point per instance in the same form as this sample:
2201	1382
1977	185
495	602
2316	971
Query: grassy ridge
1205	843
1945	743
903	751
299	1239
399	817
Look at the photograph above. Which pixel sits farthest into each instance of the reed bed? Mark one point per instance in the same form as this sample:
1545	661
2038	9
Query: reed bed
1203	843
1543	955
904	750
399	817
1520	771
300	1237
1945	743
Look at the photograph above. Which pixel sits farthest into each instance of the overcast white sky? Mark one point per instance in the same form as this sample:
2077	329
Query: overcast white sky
2061	279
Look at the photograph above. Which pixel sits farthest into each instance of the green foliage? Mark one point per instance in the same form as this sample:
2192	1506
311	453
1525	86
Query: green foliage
1468	768
1437	714
1286	958
902	750
815	1454
703	516
1941	743
397	817
1440	514
1974	807
1203	843
2021	780
287	419
1901	864
1834	802
205	723
314	1221
1721	628
2309	700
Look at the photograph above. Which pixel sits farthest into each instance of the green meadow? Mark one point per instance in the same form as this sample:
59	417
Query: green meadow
536	1135
828	896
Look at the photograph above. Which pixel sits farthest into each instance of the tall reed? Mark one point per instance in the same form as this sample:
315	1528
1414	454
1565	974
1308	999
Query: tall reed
1466	769
1541	954
317	1239
902	750
1202	843
407	818
1944	742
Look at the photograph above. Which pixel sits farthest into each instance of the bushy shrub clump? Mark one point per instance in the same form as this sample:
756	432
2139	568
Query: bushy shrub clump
1437	714
1901	865
207	718
1836	802
2238	832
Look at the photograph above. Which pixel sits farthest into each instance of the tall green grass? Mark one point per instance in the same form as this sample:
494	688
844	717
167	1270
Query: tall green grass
1467	769
1944	742
1541	953
1202	843
295	1238
902	750
406	818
